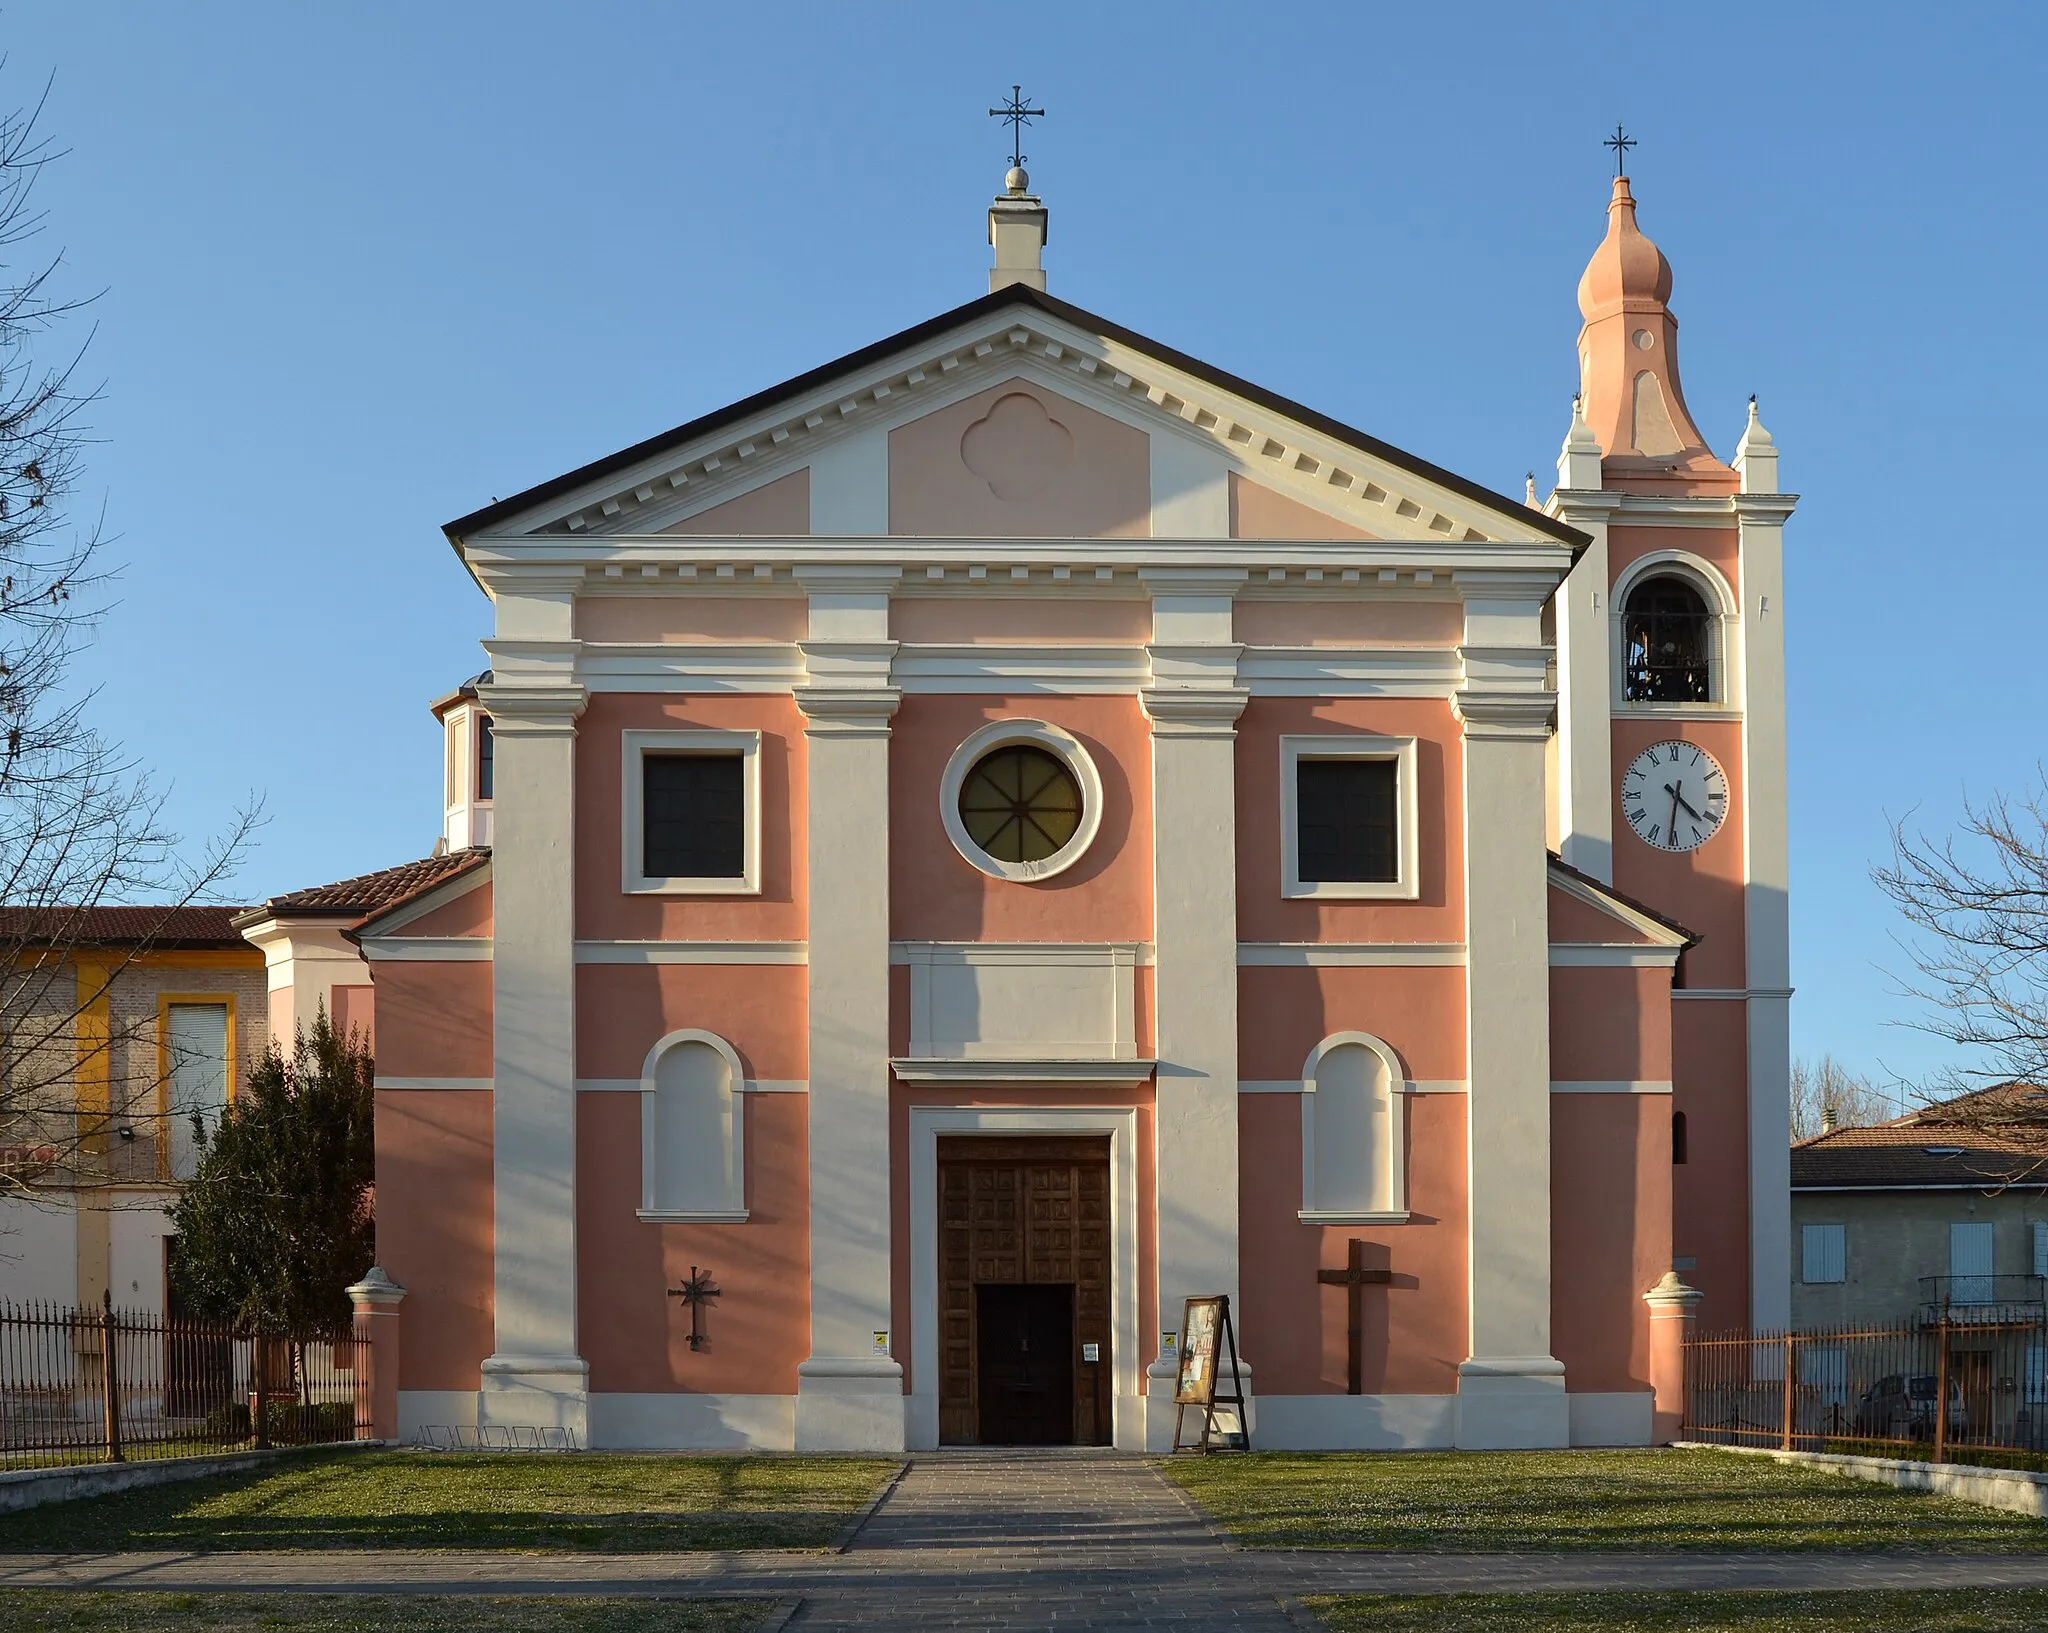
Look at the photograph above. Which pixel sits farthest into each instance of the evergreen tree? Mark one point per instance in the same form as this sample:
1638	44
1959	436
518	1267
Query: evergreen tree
276	1223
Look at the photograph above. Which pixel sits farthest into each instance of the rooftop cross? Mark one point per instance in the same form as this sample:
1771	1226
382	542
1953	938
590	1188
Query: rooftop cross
1621	142
1018	114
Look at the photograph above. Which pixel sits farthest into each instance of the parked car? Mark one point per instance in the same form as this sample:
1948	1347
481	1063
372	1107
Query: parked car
1901	1407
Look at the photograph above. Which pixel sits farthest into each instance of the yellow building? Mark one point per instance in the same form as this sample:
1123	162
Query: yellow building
127	1029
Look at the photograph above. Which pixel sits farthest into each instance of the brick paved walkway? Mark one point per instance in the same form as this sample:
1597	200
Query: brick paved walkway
1007	1540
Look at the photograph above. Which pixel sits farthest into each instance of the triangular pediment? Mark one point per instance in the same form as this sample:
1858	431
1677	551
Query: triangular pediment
1292	472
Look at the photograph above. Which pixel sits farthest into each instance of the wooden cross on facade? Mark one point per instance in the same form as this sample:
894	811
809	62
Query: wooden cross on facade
697	1292
1354	1279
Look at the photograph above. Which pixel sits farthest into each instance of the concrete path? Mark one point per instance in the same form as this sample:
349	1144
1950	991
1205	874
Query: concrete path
1008	1540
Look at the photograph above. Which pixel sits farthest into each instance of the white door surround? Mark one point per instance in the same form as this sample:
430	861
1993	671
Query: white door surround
1120	1123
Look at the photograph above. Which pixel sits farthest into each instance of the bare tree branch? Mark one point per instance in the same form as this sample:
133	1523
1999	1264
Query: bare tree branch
81	826
1976	904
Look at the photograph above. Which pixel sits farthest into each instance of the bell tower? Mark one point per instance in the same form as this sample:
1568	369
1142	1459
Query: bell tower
1671	749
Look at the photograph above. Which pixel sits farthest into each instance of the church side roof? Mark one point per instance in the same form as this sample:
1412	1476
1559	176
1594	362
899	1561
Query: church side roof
1012	296
367	893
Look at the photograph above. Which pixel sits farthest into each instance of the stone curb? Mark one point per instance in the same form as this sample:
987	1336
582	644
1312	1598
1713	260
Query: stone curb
2016	1491
780	1616
854	1526
31	1488
1222	1538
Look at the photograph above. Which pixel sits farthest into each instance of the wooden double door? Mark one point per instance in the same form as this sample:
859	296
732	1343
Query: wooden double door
1024	1290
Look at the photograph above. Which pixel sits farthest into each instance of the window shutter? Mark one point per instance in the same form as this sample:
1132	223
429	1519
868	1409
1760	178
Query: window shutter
2041	1247
1969	1263
1824	1252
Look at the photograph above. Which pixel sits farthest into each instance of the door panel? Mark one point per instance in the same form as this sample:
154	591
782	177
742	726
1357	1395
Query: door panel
1024	1354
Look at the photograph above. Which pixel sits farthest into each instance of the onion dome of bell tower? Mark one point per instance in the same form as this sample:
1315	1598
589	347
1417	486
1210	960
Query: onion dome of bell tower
1628	365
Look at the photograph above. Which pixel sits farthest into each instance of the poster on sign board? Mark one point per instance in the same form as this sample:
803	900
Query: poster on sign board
1196	1381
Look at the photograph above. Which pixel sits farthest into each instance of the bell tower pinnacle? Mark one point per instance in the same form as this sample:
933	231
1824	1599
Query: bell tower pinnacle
1628	366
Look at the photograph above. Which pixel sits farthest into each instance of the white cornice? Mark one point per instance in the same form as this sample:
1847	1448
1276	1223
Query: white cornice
971	1072
1364	488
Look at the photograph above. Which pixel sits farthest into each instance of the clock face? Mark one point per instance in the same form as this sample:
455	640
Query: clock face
1674	796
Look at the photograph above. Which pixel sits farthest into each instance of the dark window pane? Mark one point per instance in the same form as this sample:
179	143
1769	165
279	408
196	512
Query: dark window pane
693	811
1345	815
1020	804
486	756
1665	636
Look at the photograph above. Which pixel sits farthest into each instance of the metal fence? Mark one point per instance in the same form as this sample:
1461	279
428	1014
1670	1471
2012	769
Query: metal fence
1970	1377
105	1385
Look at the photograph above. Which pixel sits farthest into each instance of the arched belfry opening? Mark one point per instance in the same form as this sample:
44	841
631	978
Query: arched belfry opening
1667	643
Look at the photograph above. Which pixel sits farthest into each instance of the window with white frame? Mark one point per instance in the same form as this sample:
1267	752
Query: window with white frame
1824	1253
692	806
1348	817
196	1079
1351	1132
693	1131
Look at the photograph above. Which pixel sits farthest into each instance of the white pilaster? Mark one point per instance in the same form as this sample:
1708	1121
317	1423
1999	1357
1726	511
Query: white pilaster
1511	1390
1585	688
1194	702
535	1377
1762	513
849	1394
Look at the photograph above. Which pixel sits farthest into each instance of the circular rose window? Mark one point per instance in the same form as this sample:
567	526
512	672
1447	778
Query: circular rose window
1019	804
1021	800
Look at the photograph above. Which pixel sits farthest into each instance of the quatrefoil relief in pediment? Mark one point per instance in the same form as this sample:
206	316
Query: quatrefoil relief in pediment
1017	448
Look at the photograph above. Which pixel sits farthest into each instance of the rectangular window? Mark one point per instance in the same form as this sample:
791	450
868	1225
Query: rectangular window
486	756
196	1066
2041	1247
1824	1253
1348	817
692	812
1345	809
694	816
1969	1263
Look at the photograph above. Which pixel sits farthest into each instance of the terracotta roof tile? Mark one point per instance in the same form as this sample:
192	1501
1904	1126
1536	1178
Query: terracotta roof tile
357	898
157	926
1907	1155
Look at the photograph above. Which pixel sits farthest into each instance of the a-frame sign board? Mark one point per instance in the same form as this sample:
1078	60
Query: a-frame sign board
1206	1335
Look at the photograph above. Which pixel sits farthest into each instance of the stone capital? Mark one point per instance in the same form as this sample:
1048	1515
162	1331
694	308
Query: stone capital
533	711
847	711
1672	1299
1194	712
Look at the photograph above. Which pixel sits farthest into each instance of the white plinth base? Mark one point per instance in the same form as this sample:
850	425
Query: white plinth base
1162	1415
545	1392
849	1403
1512	1403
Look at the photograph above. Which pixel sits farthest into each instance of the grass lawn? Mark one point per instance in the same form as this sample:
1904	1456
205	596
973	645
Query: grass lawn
1485	1502
1996	1611
35	1612
591	1502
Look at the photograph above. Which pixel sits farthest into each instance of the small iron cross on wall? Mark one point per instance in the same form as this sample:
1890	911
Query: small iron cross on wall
697	1292
1353	1278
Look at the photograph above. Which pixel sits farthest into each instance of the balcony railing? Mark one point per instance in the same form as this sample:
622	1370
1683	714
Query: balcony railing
1983	1300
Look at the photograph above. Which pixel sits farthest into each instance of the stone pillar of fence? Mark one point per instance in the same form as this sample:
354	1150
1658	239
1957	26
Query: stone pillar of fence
376	1298
1672	1308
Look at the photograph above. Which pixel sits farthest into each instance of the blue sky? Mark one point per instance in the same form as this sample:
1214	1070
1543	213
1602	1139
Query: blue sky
367	267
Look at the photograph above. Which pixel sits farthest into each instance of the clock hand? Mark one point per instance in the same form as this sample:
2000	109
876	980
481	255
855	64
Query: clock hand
1672	790
1674	816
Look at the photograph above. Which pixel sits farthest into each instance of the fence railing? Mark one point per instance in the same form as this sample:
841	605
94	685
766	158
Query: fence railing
1929	1390
105	1385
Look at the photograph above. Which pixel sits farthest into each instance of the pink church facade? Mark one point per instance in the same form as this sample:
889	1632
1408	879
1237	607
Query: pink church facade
1016	828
